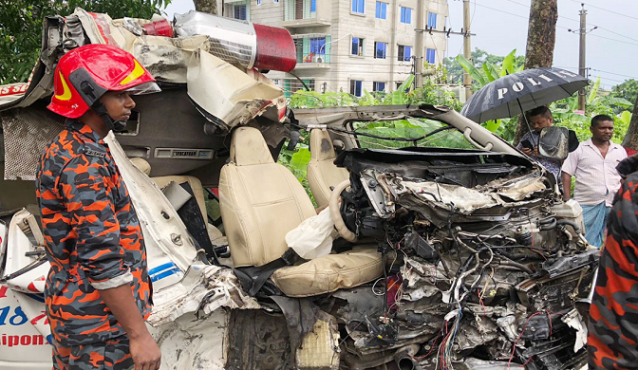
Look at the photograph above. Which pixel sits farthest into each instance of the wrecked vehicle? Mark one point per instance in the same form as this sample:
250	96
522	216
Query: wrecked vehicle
454	249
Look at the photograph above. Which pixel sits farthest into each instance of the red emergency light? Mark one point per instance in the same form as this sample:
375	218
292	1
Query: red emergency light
242	43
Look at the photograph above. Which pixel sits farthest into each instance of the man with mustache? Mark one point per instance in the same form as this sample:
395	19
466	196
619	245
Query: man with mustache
597	180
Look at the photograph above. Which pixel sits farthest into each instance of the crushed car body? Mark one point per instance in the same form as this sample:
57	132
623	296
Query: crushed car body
451	248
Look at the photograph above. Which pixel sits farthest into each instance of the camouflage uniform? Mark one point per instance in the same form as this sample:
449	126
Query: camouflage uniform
613	325
93	241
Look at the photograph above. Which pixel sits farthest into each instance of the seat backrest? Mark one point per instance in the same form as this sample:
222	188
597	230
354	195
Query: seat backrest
260	201
323	174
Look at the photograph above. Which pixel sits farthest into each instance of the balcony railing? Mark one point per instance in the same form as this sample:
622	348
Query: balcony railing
313	51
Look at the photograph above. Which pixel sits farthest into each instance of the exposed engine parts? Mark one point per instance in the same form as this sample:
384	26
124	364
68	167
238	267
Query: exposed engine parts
483	266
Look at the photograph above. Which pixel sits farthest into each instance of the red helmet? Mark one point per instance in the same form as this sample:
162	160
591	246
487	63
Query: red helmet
84	74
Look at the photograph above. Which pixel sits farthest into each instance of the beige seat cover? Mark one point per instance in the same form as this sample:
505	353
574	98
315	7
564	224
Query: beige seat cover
322	172
330	273
260	202
142	165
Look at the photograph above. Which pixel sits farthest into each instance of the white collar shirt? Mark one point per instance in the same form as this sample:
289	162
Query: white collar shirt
596	177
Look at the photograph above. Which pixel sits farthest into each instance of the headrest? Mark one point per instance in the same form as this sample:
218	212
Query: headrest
248	147
321	147
142	165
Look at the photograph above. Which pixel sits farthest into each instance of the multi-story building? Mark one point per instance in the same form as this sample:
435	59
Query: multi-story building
349	45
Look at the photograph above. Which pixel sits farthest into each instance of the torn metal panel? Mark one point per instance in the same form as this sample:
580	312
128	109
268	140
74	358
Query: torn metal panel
226	95
204	288
574	320
192	342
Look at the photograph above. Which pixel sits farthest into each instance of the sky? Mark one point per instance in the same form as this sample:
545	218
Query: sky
501	26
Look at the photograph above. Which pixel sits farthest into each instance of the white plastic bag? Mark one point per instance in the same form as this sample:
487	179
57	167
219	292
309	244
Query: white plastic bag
313	237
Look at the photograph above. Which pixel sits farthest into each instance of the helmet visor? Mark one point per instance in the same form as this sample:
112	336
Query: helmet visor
145	88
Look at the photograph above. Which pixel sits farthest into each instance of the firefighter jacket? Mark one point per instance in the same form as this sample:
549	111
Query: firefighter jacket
613	321
92	234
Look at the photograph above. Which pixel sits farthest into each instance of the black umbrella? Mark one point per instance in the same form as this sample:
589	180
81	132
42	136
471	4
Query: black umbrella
521	91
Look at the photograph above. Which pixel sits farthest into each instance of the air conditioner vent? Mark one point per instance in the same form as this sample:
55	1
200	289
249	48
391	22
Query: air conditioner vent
178	153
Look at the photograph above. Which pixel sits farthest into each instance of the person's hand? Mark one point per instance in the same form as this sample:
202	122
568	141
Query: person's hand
527	151
145	352
536	151
318	210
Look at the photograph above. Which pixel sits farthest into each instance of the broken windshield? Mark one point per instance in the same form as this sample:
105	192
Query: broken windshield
423	132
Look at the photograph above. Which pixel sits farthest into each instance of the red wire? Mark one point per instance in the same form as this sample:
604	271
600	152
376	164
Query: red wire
478	293
519	338
430	352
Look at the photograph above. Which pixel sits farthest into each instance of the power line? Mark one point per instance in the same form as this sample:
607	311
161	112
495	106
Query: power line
616	33
527	18
610	39
527	6
615	74
607	10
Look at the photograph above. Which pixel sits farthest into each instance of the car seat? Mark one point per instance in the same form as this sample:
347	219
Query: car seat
323	174
261	201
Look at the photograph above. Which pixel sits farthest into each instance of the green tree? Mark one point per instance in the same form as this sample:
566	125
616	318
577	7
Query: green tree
627	90
21	27
479	57
206	6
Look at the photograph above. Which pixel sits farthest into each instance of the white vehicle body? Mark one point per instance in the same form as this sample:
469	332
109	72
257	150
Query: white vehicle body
202	316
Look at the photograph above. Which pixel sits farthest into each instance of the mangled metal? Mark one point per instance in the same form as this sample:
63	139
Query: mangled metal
488	271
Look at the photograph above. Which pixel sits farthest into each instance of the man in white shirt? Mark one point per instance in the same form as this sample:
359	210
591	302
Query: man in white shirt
597	181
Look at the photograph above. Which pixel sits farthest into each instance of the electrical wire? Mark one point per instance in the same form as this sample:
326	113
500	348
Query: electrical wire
604	9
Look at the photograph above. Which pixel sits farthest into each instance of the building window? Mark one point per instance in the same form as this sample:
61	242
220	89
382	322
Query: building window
275	1
300	9
380	49
258	2
378	86
357	46
432	20
406	15
358	6
405	53
407	89
292	86
313	49
355	87
430	56
382	10
240	11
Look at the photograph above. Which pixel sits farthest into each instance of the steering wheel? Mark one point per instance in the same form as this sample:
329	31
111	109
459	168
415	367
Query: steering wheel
335	213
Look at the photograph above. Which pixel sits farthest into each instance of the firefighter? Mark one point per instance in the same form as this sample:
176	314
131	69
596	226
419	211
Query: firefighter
98	291
613	315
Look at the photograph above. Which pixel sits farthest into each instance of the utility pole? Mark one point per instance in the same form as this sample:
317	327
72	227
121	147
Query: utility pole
467	48
420	26
582	101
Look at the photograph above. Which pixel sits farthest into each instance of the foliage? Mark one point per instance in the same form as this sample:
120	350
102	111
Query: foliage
566	113
479	57
488	72
627	90
409	128
430	93
21	27
297	162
